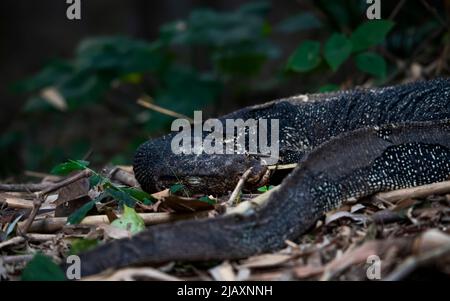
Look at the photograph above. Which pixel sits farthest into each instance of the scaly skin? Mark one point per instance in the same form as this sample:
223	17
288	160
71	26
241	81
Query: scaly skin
305	122
358	162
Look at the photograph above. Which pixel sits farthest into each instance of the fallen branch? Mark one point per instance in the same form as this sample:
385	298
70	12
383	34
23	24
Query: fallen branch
12	241
23	187
19	203
30	237
53	224
414	192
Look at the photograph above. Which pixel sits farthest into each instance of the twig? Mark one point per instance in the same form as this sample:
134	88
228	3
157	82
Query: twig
396	9
84	174
247	207
39	199
40	237
30	237
17	258
14	202
433	11
32	187
53	224
283	166
413	263
23	187
42	175
414	192
239	185
12	241
145	102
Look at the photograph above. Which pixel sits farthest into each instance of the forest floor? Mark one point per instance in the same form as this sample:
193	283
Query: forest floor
396	235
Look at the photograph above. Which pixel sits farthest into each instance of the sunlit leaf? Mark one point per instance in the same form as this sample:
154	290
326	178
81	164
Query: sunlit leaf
265	188
81	245
130	221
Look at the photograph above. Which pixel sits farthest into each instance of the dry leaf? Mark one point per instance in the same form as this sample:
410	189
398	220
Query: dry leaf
265	261
308	271
430	240
54	98
357	207
114	232
223	272
359	218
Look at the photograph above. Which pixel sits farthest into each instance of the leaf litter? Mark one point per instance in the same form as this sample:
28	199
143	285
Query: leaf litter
407	234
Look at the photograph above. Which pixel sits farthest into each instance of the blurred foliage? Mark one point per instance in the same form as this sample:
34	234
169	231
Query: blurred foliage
205	58
42	268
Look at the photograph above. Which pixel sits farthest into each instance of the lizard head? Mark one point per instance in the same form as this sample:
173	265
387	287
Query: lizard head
156	168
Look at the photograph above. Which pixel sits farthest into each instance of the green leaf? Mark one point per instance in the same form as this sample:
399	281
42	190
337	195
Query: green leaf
371	63
121	196
257	7
299	22
337	50
265	188
206	199
147	202
139	194
239	62
77	216
42	268
69	166
175	188
336	12
370	34
328	88
82	244
95	180
130	221
306	57
48	76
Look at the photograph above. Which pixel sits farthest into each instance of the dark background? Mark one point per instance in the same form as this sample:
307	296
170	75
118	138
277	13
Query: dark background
34	32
